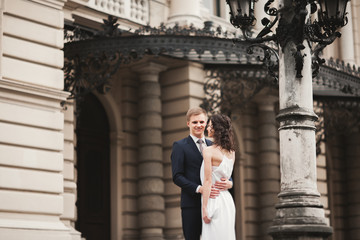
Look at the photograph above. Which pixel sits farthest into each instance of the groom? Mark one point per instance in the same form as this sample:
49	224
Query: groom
186	160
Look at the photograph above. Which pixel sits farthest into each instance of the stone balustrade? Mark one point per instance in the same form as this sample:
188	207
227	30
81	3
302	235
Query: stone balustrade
134	10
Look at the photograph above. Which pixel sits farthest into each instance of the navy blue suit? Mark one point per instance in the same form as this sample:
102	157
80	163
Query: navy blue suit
186	161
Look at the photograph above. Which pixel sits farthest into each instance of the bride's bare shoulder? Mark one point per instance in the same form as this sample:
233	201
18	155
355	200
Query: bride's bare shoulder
209	149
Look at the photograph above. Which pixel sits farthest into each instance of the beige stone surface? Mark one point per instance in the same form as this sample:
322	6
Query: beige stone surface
30	180
29	11
31	202
31	158
32	73
29	51
25	115
24	135
69	206
33	31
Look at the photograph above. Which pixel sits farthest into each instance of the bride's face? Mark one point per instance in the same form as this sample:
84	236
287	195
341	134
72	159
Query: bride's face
210	129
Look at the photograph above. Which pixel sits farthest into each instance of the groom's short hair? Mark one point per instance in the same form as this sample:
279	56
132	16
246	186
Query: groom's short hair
195	111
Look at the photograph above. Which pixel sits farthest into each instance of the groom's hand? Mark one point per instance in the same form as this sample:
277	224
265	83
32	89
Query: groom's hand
224	184
214	192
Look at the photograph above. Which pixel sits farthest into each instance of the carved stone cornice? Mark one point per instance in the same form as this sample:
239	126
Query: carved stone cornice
337	78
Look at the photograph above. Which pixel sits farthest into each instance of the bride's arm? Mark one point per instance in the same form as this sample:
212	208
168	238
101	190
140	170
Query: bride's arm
206	184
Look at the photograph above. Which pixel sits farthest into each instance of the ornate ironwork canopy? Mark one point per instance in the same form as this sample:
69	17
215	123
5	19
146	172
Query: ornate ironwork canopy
92	57
233	76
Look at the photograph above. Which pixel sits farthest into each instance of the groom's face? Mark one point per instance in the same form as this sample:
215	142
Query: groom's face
197	124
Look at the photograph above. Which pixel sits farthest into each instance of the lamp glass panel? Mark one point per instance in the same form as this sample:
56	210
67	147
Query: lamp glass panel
342	8
245	7
234	6
331	8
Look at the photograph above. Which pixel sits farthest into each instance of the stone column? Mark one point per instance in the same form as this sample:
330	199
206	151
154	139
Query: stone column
299	215
250	215
129	162
69	172
151	206
347	51
239	174
185	13
268	162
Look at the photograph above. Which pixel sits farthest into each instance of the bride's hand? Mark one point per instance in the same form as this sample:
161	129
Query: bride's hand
205	216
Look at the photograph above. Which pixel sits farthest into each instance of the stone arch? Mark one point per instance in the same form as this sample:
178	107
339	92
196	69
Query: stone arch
116	141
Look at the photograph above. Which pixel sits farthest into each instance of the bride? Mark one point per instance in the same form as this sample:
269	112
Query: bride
218	213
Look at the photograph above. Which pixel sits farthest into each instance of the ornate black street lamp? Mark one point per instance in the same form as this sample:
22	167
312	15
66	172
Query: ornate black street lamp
299	40
332	14
296	26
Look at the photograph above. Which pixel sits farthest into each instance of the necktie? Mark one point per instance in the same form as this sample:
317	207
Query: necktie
200	142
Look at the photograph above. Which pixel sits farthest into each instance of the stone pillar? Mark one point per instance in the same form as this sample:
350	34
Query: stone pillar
151	205
250	178
299	215
268	162
183	14
347	51
70	188
239	174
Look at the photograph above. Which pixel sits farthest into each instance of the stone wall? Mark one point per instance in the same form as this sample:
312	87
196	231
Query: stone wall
32	121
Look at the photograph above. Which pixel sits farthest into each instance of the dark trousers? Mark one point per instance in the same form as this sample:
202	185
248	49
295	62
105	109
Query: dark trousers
191	223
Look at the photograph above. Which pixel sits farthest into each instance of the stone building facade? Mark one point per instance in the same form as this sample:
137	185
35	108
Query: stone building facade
100	168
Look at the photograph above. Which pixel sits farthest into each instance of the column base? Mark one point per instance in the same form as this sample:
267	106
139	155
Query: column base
151	237
300	232
300	216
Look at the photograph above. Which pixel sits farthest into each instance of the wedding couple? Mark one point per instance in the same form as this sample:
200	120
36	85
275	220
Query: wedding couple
202	169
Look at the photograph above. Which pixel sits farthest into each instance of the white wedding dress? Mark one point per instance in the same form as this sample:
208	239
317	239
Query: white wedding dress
221	210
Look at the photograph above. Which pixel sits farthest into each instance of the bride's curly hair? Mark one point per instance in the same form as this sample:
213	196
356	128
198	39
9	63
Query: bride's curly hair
223	131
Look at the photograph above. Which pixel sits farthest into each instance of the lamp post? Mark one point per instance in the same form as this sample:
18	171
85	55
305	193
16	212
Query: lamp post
299	213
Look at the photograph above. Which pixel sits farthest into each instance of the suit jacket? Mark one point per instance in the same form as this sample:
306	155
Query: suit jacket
186	161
